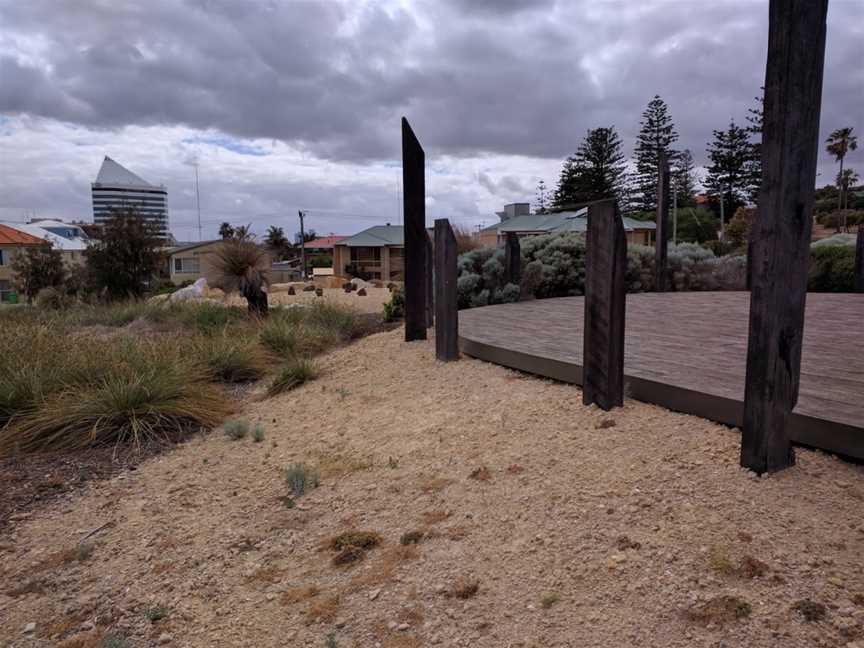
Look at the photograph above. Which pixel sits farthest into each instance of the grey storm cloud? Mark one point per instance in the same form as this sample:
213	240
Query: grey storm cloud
498	77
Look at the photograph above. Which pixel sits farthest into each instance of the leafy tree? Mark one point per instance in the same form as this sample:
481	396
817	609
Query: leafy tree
226	231
738	227
541	199
595	172
728	177
838	144
684	178
38	267
277	242
754	163
127	257
656	134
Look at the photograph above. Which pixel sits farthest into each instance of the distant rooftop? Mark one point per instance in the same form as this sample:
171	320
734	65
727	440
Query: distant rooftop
323	242
12	236
113	173
377	236
565	221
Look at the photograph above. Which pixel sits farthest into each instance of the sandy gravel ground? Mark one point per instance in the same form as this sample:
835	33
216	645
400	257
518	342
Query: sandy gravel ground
372	302
575	531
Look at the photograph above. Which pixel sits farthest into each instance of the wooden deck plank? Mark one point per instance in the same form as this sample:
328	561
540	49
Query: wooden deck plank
694	345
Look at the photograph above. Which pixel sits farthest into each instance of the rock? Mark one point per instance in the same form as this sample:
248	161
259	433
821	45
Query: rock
361	292
196	291
271	596
374	594
29	628
87	626
291	290
319	291
164	638
391	625
308	288
403	626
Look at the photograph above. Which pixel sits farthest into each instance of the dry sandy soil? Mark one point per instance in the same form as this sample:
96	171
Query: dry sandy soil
574	530
372	302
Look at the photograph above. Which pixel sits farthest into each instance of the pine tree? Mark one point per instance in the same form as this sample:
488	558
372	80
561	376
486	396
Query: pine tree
595	172
754	164
541	199
656	133
684	178
730	153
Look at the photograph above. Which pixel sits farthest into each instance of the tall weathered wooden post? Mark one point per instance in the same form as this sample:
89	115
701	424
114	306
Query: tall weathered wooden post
430	288
416	239
661	242
605	295
790	144
446	313
512	258
859	260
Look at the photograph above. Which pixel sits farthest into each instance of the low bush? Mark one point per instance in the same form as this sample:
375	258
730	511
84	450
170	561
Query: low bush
301	478
832	269
394	309
237	429
230	358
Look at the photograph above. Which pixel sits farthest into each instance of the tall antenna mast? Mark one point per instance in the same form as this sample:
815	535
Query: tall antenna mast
198	200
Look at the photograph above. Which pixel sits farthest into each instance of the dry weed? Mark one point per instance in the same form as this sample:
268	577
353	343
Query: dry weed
323	610
433	484
480	474
436	516
270	575
92	639
464	588
297	594
338	465
810	610
720	610
385	567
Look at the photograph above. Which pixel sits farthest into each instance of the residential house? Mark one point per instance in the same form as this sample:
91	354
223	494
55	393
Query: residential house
69	238
12	243
377	253
527	224
188	263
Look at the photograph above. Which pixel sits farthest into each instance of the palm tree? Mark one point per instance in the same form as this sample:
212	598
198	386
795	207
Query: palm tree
845	180
277	241
839	143
226	231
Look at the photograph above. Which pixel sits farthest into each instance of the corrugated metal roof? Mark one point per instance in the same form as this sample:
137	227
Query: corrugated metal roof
377	236
564	222
112	173
323	242
12	236
190	246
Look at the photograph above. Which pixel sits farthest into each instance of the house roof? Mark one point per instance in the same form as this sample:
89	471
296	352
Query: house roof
191	246
12	236
323	242
566	221
112	173
68	244
377	236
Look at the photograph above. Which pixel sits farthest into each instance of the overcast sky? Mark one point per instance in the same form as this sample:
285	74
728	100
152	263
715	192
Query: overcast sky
288	105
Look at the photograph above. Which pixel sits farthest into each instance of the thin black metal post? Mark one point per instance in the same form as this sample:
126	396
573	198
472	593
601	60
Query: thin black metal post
605	295
416	239
446	312
790	145
430	288
859	260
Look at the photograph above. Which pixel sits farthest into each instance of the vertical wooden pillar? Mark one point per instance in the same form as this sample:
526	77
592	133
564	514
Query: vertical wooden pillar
605	294
430	288
790	144
416	239
446	313
859	260
512	258
661	242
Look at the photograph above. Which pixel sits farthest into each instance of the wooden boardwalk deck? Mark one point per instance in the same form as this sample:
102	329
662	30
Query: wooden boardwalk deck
687	352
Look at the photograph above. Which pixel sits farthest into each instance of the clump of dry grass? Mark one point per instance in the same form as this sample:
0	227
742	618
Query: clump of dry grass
433	484
323	610
466	240
720	610
32	586
434	517
78	553
480	474
811	610
411	537
297	594
624	542
384	568
549	599
340	464
268	574
464	588
351	546
747	566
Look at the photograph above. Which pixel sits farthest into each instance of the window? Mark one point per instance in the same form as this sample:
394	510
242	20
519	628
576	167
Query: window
2	258
5	289
186	265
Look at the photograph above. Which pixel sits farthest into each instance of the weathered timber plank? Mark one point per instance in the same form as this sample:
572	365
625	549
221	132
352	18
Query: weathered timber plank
793	96
446	312
605	295
416	239
512	258
661	242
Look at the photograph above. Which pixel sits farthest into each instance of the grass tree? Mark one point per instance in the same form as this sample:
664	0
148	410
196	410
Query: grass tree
243	265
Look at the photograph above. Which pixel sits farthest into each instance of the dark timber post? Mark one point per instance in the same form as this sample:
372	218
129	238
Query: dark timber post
790	144
605	293
416	239
430	288
512	258
446	314
859	260
662	233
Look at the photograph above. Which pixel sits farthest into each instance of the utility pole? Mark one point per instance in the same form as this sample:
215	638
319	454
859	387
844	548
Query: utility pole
302	245
198	200
722	216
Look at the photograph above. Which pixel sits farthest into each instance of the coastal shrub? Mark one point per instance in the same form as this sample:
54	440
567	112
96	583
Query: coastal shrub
231	358
832	269
292	375
301	478
394	309
236	429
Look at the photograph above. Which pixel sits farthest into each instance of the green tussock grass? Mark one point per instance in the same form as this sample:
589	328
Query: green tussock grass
231	358
293	374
